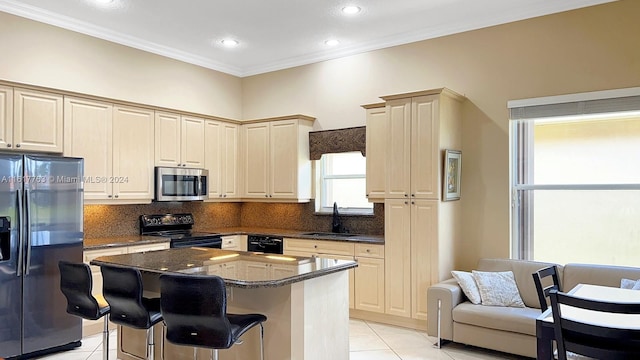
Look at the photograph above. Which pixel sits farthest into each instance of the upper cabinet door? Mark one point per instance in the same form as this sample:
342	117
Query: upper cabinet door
398	114
376	153
167	139
213	157
38	121
132	153
284	159
230	162
192	142
256	160
87	127
6	117
424	147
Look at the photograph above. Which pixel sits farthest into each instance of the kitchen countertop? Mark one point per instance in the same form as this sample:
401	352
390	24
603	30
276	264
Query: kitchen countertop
111	242
241	269
298	234
116	241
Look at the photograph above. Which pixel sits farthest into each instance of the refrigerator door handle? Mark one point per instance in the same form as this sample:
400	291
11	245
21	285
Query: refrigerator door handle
28	232
20	233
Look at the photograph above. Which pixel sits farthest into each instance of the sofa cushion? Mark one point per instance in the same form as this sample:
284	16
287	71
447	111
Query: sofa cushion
630	284
498	288
468	285
520	320
522	270
604	275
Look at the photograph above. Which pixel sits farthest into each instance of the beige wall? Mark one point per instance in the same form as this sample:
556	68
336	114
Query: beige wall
583	50
44	55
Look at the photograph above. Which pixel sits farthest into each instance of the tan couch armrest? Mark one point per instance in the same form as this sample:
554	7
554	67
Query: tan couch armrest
450	294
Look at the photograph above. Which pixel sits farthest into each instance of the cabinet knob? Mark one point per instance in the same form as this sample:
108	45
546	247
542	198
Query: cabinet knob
405	195
17	145
315	246
265	195
270	195
225	195
413	203
9	145
116	196
413	195
368	250
406	202
109	196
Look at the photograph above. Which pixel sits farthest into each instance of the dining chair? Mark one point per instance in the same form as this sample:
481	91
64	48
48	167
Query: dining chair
582	336
194	309
543	291
76	284
122	288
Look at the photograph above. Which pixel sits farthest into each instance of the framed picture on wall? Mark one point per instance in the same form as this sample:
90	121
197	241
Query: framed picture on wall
452	172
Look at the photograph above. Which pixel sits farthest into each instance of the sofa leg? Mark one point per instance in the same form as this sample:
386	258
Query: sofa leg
438	343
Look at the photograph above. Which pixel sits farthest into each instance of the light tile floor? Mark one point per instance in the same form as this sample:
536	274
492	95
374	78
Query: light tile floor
367	341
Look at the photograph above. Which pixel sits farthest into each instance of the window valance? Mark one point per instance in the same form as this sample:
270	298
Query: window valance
337	141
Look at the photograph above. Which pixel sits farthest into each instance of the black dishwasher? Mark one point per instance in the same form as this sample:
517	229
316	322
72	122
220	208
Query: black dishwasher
265	244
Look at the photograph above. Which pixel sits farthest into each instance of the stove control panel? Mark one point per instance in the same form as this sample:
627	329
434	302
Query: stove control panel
151	221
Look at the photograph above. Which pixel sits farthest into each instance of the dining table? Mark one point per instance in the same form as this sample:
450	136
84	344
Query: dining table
544	323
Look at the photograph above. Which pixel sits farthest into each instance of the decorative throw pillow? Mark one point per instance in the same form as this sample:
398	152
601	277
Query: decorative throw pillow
468	285
630	284
498	288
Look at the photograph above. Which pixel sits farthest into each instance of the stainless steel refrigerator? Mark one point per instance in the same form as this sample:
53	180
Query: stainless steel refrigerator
41	223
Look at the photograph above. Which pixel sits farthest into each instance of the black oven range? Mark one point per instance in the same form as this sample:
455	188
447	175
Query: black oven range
178	227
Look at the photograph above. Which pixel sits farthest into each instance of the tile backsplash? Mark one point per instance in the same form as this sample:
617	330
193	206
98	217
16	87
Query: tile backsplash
123	220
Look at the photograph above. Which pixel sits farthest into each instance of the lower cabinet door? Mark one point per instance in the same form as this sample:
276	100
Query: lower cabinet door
369	285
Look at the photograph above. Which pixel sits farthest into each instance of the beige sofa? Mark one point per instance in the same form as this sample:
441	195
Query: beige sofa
508	329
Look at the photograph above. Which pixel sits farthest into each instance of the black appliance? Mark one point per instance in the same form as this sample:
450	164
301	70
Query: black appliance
178	227
265	244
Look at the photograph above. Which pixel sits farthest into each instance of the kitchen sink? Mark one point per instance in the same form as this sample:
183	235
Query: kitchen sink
325	234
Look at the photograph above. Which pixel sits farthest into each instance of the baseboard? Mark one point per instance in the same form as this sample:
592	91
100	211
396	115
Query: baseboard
389	319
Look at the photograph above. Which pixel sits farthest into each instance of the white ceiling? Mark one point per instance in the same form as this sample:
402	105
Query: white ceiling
276	34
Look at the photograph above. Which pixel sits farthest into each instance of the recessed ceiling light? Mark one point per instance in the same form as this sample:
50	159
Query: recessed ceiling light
230	43
332	42
104	1
351	9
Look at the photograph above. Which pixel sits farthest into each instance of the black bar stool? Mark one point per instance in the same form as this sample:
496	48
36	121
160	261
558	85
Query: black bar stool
76	284
195	313
122	287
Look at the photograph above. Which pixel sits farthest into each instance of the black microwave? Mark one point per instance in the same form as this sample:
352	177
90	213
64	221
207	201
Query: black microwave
181	184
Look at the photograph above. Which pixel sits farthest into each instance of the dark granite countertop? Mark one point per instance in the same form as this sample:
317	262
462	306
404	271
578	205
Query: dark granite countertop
371	239
116	241
237	268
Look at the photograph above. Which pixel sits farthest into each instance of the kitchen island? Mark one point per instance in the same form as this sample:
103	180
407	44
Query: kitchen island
306	301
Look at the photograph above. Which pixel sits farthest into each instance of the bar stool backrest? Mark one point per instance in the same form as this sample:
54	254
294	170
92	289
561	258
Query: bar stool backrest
195	311
122	288
76	283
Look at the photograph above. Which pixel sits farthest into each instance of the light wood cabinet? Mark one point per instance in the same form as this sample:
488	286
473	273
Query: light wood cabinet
366	282
376	130
179	140
88	133
116	143
420	230
424	253
397	233
369	278
221	159
413	148
276	163
132	153
31	120
6	117
234	242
